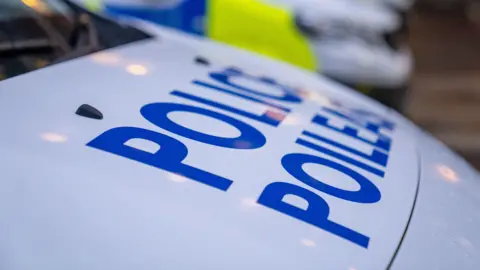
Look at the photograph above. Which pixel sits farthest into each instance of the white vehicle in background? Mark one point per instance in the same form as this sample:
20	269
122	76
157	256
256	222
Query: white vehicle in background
141	147
354	42
359	43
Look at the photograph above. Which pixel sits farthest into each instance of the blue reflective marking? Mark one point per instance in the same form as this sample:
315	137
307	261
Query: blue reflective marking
169	157
250	138
376	156
368	192
316	214
249	98
382	142
269	117
187	15
224	77
341	157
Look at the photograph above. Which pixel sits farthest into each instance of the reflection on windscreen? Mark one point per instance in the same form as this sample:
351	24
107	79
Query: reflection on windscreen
17	8
38	33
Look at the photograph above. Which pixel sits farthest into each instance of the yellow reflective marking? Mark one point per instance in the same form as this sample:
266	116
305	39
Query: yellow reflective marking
93	5
37	5
259	27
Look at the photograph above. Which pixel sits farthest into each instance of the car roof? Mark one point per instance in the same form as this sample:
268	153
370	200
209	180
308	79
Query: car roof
204	157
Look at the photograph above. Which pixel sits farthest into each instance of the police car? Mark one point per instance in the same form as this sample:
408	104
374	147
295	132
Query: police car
202	156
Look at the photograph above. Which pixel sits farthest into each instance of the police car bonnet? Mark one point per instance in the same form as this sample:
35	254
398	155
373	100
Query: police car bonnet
206	158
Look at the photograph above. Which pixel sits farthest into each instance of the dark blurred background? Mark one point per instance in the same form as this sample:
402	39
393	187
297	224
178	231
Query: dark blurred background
445	98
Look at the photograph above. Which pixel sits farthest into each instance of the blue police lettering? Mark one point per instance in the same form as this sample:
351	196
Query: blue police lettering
368	192
378	157
316	214
340	156
269	117
172	152
157	114
169	157
318	209
382	142
288	94
248	97
366	116
373	127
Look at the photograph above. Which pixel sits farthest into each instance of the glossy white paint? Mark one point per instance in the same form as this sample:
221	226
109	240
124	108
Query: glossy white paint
443	233
64	205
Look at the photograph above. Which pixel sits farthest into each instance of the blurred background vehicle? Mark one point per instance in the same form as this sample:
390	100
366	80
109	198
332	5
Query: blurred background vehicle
357	43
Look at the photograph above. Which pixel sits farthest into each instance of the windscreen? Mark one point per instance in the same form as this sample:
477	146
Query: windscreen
38	33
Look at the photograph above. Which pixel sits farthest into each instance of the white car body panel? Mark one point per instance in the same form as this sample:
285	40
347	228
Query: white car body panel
443	232
65	205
